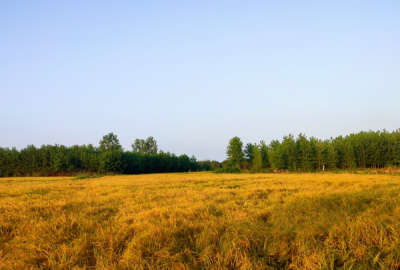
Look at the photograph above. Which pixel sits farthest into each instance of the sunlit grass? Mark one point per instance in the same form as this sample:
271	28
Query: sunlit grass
201	221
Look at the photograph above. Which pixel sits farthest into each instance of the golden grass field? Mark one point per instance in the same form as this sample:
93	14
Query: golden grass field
201	221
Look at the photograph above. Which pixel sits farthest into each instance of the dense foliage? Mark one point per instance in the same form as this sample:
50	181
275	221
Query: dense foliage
361	150
109	157
373	149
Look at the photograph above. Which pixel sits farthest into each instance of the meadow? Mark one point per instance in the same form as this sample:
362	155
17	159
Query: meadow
201	221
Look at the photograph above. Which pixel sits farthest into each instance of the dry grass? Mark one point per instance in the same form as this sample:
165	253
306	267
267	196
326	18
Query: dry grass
201	221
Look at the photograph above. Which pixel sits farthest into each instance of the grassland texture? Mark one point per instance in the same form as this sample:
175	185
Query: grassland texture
201	221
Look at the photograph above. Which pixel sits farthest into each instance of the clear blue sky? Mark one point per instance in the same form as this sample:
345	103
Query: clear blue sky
193	74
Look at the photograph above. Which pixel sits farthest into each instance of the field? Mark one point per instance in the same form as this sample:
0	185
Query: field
201	221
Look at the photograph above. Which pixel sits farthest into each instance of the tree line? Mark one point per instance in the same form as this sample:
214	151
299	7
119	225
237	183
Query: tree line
108	157
372	149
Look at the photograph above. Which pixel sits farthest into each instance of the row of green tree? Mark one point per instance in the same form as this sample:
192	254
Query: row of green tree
108	157
373	149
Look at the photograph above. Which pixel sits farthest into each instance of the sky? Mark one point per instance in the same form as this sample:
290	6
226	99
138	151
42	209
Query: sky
194	74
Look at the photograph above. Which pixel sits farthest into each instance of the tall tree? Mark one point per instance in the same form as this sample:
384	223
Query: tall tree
330	155
317	158
248	151
275	155
110	142
289	153
151	146
257	159
147	147
303	153
111	156
264	155
235	152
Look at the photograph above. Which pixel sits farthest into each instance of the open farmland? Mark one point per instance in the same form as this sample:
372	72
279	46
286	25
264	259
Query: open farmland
201	221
